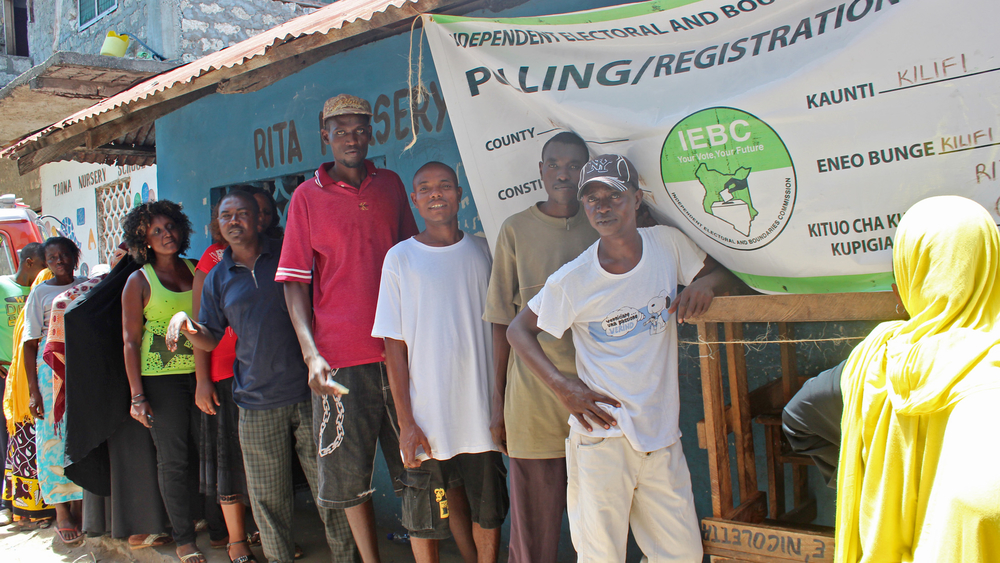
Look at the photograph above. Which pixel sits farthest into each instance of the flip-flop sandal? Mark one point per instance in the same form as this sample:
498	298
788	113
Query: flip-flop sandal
196	557
64	532
150	540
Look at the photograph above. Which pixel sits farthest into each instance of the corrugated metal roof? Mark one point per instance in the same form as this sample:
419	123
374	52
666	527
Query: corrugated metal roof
338	15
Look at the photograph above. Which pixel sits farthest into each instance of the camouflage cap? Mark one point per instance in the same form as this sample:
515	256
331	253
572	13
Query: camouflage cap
346	104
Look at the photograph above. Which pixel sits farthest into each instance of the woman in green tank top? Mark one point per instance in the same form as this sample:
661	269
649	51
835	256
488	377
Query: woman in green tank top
162	382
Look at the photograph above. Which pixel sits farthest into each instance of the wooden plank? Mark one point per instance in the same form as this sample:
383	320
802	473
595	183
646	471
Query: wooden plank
871	306
717	438
765	542
746	462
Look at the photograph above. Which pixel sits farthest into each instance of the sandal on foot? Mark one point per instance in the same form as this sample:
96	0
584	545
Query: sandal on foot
65	533
196	557
242	558
254	538
149	540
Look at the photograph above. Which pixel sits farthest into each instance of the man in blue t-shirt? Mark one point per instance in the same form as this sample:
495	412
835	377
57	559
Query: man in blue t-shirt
271	380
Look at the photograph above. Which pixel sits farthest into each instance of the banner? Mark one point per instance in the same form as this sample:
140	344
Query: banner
785	138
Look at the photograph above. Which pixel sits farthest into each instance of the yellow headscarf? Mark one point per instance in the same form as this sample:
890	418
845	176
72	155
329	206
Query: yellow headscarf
15	396
904	381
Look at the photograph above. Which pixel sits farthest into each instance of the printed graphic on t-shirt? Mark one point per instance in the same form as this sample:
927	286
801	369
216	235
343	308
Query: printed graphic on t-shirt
626	322
14	306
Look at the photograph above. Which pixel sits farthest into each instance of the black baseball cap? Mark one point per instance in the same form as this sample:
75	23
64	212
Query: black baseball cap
612	170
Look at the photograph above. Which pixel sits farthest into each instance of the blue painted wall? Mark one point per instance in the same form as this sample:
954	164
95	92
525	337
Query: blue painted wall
221	140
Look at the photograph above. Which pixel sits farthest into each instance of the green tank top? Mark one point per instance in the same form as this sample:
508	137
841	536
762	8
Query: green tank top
163	304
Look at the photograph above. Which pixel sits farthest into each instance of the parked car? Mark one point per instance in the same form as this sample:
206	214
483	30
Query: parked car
18	226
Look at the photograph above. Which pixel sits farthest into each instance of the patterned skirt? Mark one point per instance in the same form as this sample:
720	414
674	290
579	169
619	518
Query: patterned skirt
50	443
21	488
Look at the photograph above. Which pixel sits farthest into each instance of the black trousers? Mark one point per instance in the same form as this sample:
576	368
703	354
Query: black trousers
175	431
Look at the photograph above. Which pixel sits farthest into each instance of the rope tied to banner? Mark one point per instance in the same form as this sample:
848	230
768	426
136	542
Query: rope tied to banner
420	93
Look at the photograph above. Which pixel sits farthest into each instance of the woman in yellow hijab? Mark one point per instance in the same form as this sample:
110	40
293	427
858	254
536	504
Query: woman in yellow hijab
919	472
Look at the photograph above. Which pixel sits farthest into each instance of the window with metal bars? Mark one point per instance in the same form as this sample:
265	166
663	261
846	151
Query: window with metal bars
93	10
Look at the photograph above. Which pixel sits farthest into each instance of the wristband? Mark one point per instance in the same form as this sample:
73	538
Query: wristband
137	403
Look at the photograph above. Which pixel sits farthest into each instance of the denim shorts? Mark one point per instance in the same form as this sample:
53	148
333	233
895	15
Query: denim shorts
425	493
347	431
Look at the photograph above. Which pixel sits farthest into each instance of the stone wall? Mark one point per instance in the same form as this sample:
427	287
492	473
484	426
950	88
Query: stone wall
186	30
209	26
55	27
11	67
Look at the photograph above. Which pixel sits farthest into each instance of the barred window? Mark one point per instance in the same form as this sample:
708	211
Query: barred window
93	10
112	206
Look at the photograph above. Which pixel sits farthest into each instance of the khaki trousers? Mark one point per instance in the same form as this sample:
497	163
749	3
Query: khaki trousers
612	487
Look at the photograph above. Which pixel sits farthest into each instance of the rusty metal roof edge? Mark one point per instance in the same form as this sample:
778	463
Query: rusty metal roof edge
231	56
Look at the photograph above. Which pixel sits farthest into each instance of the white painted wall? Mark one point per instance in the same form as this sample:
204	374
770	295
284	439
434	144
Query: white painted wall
69	200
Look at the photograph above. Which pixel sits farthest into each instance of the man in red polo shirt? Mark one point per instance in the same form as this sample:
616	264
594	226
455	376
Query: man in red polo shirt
340	225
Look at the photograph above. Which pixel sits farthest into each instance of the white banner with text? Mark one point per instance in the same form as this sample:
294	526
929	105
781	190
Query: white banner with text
786	138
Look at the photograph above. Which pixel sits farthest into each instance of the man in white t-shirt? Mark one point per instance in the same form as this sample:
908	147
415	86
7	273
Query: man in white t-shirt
623	456
438	354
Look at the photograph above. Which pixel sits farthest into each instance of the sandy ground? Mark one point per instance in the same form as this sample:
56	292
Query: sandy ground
42	546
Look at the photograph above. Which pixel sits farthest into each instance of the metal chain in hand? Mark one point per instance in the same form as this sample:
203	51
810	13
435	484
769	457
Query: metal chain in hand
325	451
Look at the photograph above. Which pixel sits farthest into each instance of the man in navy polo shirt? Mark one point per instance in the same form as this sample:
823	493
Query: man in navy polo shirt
271	378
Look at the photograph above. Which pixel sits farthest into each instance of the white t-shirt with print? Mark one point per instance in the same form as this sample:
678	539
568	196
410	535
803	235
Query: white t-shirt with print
626	343
433	298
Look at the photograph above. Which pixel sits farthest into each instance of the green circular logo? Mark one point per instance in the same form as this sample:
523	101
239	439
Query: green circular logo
730	175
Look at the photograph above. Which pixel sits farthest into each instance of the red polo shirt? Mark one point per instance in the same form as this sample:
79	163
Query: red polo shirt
336	237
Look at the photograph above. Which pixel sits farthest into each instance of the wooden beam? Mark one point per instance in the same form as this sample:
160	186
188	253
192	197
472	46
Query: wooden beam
101	135
111	150
45	155
871	306
108	132
68	87
263	77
